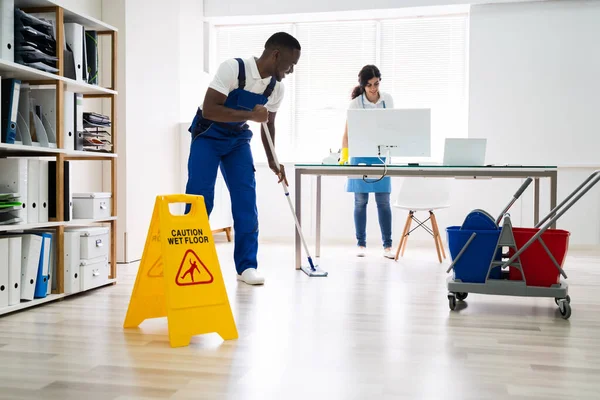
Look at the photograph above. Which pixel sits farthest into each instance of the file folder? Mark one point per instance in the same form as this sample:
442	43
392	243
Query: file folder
43	191
71	262
41	285
24	116
79	128
31	247
13	179
14	270
69	121
33	191
52	269
67	195
7	33
74	35
11	90
4	268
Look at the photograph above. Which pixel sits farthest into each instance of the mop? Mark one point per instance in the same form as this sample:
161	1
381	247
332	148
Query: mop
310	270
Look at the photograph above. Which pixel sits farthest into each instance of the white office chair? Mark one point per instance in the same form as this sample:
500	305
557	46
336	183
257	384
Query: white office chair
422	194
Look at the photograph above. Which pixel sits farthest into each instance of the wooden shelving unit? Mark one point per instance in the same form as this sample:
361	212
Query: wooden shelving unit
9	69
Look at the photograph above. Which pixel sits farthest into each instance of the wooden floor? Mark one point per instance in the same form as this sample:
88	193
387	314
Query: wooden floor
374	329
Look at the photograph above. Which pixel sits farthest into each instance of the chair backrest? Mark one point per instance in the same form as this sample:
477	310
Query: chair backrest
429	193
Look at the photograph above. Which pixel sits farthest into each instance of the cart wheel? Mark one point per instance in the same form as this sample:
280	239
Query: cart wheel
452	302
568	298
461	296
565	309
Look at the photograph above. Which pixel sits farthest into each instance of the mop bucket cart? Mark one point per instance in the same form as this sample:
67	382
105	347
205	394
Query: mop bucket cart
532	267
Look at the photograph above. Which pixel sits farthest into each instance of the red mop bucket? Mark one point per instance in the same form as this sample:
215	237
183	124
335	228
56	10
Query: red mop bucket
537	266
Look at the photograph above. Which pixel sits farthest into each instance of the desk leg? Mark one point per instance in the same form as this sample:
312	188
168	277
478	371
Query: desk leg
536	201
318	224
553	193
298	207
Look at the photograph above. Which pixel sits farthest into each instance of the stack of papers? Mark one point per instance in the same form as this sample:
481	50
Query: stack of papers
35	42
94	137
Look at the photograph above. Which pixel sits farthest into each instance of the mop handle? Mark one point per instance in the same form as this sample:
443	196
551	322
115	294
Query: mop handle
285	190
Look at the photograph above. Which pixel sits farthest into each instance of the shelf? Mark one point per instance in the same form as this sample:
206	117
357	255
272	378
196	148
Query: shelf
86	222
69	16
49	298
15	150
54	224
27	227
10	69
71	154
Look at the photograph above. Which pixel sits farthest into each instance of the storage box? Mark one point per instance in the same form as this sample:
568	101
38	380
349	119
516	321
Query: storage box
92	205
93	273
94	242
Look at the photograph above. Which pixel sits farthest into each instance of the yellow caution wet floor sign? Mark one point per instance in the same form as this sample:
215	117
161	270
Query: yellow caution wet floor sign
180	277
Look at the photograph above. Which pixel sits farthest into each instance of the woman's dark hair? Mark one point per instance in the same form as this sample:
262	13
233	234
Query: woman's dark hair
367	73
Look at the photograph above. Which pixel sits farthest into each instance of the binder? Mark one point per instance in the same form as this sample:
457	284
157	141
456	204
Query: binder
52	269
74	35
13	179
43	270
7	33
11	90
79	121
33	191
31	247
67	195
4	268
71	262
69	121
14	270
43	191
91	43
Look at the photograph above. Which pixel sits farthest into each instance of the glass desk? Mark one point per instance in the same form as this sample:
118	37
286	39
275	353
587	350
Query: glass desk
439	171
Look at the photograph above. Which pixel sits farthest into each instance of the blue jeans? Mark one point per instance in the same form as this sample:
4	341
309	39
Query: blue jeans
384	212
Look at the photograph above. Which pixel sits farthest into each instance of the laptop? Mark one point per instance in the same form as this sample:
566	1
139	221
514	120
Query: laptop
465	152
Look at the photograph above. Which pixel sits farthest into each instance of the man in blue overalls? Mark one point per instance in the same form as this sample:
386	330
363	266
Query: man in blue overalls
241	90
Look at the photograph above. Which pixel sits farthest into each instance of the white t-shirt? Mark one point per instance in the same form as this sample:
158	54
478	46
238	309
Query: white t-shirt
226	80
362	99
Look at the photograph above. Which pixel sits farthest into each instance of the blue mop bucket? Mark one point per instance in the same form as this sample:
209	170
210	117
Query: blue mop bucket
475	261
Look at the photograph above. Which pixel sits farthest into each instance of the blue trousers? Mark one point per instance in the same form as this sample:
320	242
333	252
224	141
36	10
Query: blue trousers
237	166
384	212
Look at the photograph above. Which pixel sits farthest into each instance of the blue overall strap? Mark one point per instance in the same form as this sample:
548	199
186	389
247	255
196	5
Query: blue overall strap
241	74
270	88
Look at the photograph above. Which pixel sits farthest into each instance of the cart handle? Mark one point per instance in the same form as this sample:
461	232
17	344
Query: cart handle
595	176
516	196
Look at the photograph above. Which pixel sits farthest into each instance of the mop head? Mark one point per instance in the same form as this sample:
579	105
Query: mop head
313	270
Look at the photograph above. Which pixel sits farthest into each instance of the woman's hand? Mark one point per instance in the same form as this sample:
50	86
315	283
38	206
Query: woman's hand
280	172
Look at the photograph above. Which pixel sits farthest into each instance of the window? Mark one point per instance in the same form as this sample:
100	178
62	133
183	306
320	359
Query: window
423	62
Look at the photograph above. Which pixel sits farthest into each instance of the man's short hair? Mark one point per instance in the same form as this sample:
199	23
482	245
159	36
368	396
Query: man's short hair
282	39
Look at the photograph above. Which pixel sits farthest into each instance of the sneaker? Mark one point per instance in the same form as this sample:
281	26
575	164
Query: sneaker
387	253
251	276
361	251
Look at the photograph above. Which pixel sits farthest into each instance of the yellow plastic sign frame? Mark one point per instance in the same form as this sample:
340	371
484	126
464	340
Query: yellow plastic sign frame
179	275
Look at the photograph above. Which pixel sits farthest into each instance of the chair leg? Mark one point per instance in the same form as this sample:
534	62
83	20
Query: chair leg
404	235
436	237
437	228
410	219
228	233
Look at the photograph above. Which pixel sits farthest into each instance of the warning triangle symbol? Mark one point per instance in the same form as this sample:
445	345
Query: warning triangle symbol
157	270
192	271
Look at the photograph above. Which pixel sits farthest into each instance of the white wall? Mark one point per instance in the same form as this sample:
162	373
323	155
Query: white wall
533	94
219	8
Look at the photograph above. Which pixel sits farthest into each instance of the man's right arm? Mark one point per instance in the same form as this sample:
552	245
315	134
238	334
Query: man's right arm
224	82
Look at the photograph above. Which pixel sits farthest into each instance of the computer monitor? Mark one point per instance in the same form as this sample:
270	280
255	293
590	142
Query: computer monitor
465	151
389	133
